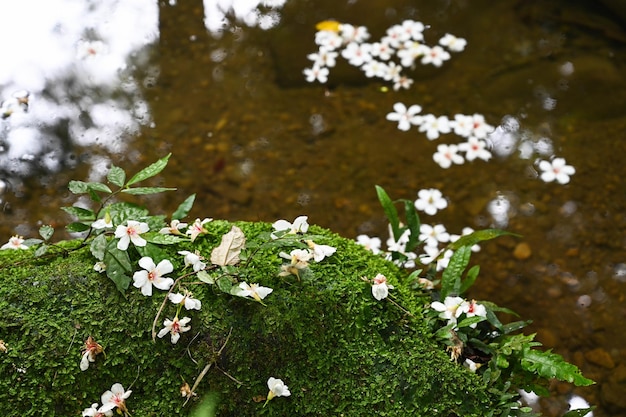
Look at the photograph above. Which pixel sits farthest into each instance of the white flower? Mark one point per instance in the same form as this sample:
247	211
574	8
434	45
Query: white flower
186	299
446	155
475	148
480	128
153	275
375	68
197	228
357	54
465	231
433	126
405	117
449	309
452	42
435	55
175	328
351	33
193	259
320	251
371	243
432	235
324	57
103	223
90	49
463	125
99	266
382	50
380	288
430	201
413	30
130	233
443	261
556	170
91	350
277	388
93	411
471	309
316	73
253	290
471	365
410	51
15	242
174	228
329	39
116	397
299	225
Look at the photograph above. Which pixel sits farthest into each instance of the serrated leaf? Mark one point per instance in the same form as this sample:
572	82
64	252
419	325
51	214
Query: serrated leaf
451	278
98	247
149	171
552	365
82	214
184	208
77	187
161	239
46	232
390	211
118	266
116	176
477	237
77	227
120	212
227	253
146	190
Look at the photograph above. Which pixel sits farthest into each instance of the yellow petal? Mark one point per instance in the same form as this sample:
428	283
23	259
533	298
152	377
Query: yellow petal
331	25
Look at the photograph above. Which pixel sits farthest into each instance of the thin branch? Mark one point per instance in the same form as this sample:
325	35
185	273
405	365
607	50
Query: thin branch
206	369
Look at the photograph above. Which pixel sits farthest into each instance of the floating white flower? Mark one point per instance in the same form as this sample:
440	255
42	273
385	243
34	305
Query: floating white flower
430	201
405	117
556	170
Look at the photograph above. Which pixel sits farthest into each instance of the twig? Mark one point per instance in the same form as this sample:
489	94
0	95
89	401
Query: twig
206	369
156	318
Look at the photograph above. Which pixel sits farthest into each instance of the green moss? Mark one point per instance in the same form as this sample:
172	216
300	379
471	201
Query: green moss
339	350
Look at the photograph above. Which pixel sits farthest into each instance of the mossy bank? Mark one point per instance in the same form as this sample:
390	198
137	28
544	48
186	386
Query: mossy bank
340	351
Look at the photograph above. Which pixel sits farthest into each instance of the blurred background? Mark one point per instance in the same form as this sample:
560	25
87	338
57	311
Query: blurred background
219	83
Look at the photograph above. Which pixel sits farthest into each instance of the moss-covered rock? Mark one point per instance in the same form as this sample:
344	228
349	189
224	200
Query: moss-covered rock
340	351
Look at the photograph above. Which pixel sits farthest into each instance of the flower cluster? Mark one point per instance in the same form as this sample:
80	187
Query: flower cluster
401	48
454	308
473	128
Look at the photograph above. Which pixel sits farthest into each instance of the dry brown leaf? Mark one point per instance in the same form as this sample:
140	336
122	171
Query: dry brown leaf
227	253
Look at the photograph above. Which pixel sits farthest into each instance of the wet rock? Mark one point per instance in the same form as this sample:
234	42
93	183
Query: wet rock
601	358
522	251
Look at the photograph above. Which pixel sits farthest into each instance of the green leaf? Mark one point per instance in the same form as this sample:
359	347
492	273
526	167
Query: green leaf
98	186
515	326
552	365
153	251
41	250
32	241
413	222
204	276
161	239
116	176
78	187
184	208
146	190
478	236
98	247
451	278
149	171
82	214
581	412
46	232
470	278
468	321
390	211
77	227
120	212
225	284
118	266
